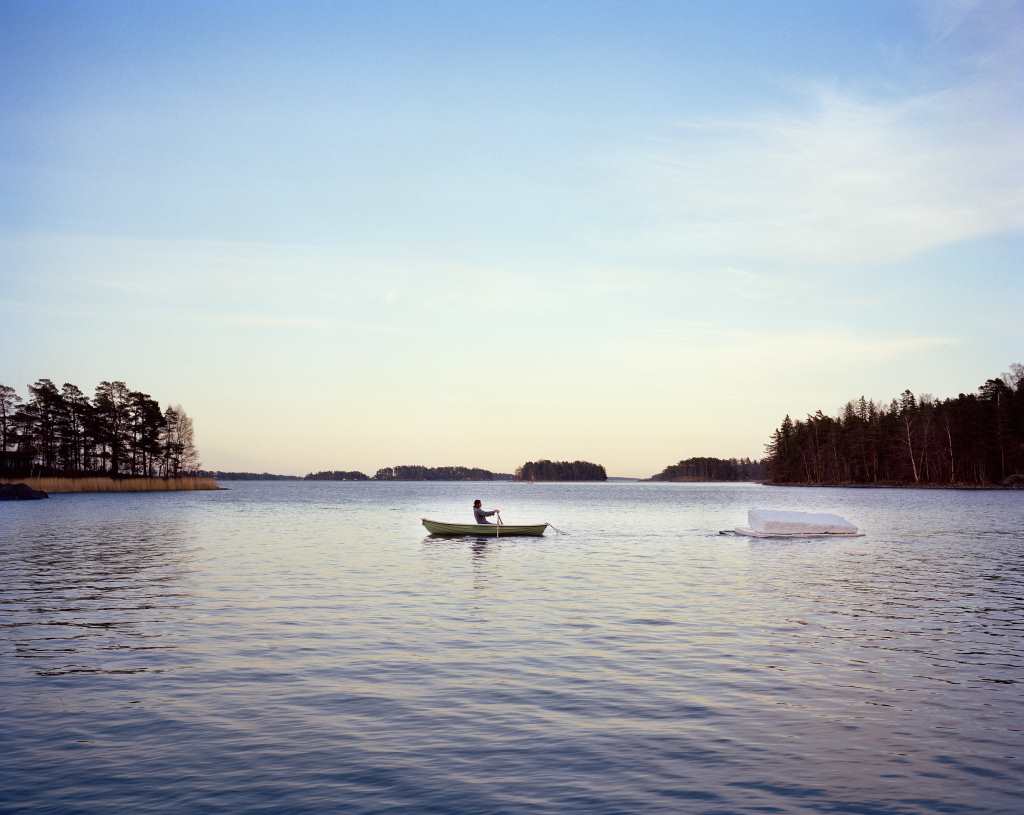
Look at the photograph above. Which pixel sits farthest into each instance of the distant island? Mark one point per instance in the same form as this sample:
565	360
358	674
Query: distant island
546	470
415	472
118	440
410	472
530	471
224	475
974	440
713	469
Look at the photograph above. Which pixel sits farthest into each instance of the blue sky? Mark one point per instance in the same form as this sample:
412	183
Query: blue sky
360	235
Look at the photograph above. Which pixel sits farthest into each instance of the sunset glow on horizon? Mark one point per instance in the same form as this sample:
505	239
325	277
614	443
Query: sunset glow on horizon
348	237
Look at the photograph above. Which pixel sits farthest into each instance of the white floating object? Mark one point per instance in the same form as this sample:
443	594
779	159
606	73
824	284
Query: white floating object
772	523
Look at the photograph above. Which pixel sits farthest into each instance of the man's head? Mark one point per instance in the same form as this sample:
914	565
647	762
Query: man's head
476	504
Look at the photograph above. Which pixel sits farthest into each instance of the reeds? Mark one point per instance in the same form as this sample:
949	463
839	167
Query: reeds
100	484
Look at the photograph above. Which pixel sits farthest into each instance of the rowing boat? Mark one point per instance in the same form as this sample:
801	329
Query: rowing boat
445	530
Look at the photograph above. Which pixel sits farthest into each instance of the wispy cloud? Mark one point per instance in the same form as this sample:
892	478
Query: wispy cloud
748	285
744	350
944	17
847	179
268	321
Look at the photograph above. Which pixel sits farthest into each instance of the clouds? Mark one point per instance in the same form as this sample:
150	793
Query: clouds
843	179
944	17
702	350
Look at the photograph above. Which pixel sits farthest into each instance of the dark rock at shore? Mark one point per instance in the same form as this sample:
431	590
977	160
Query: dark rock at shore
20	492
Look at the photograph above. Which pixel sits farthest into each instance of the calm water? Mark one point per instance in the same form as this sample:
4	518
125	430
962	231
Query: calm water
303	648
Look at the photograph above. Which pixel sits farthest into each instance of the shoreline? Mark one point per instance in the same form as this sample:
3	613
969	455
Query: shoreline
83	484
963	487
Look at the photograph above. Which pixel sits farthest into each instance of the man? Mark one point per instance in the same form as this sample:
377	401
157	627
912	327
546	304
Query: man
482	515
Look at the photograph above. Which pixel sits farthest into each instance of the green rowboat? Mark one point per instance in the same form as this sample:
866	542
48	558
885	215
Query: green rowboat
441	529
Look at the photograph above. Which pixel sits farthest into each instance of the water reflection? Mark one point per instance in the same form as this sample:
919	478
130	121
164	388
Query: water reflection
480	549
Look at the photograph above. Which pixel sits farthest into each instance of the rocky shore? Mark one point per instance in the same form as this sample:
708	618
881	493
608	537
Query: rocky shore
20	492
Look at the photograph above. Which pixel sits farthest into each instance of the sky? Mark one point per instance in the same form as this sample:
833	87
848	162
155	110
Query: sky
356	235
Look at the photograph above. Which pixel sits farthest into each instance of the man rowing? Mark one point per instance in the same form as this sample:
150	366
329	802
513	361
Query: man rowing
482	514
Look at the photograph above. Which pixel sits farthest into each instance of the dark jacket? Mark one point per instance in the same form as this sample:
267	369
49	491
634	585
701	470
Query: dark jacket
482	515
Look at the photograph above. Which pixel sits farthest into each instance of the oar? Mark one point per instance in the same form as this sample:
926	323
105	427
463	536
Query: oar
497	532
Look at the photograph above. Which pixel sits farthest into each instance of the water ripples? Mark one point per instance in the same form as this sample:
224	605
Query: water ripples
302	648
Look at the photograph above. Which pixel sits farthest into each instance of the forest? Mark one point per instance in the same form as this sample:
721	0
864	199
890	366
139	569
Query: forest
713	469
117	432
975	439
416	472
545	470
337	475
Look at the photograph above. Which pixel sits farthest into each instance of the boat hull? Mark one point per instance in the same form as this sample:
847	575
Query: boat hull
446	530
760	533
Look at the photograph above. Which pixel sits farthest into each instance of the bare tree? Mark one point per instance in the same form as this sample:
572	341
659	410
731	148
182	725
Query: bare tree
186	436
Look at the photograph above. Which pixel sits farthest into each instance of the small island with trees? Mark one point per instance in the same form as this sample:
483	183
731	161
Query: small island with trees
531	471
60	440
226	475
545	470
713	469
416	472
412	472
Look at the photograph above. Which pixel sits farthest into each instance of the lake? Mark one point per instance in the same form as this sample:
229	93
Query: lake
303	647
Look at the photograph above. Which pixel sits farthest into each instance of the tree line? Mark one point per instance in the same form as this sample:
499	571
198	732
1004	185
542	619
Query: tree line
224	475
976	439
530	471
713	469
337	475
416	472
546	470
116	432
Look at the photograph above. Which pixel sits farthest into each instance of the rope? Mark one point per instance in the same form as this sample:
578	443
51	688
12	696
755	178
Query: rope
559	531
